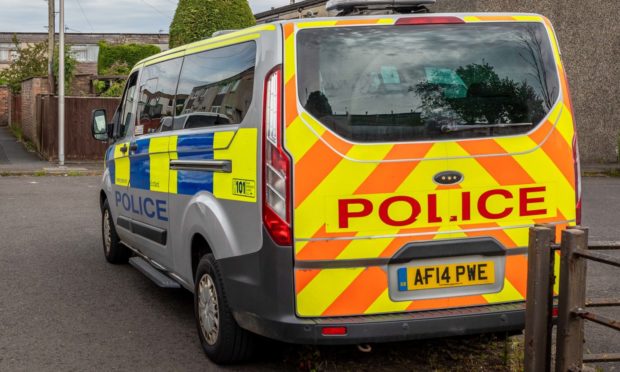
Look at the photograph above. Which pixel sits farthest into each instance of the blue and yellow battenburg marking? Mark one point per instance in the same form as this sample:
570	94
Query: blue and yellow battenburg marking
148	168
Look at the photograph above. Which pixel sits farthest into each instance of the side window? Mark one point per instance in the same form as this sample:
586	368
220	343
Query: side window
126	108
158	84
216	87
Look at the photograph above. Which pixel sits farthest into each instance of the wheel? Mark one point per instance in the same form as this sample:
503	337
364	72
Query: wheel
222	339
114	251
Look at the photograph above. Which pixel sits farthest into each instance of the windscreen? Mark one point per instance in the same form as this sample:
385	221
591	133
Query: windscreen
427	82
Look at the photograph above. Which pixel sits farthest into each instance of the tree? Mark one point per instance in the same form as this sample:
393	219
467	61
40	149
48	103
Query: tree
70	67
119	59
198	19
489	98
31	62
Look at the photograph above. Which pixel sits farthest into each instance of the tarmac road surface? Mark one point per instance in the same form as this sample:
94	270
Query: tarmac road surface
63	308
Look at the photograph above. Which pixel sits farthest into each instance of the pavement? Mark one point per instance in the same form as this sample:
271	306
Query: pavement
62	307
16	160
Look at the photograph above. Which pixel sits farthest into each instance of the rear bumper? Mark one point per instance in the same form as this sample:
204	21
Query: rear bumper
260	291
388	328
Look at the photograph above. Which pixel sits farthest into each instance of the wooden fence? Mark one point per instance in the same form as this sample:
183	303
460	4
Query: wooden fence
572	302
79	144
15	109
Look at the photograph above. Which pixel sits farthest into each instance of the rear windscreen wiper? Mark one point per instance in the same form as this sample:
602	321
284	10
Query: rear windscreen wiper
448	128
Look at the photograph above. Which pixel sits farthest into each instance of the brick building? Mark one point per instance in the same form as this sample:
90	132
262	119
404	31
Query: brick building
31	88
589	35
84	47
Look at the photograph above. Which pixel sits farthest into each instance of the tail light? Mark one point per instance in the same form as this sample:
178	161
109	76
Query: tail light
577	164
576	161
429	21
276	164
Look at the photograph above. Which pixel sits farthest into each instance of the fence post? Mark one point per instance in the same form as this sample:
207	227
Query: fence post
570	335
537	347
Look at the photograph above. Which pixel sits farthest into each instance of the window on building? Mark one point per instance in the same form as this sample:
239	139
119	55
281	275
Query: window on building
8	52
85	52
216	86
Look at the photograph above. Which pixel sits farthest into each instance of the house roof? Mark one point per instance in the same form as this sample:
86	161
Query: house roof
87	38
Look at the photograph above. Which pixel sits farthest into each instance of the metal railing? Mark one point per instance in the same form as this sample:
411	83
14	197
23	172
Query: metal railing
572	303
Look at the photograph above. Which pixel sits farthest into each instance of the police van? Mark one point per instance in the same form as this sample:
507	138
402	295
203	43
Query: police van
369	177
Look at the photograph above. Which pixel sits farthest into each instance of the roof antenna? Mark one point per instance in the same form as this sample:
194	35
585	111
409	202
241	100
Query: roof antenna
371	7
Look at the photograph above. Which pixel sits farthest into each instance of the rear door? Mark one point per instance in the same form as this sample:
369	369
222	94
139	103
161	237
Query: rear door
416	179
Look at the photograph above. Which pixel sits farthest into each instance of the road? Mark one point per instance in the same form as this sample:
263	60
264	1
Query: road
63	308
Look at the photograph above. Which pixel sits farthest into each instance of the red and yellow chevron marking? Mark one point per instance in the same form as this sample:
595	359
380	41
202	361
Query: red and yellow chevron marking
328	167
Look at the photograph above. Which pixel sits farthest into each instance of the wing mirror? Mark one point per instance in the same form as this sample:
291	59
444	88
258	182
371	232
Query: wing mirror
99	125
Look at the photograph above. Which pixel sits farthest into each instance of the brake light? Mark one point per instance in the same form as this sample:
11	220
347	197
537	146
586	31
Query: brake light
429	21
276	164
577	165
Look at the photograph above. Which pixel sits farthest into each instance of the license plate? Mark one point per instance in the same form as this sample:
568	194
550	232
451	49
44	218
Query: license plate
416	278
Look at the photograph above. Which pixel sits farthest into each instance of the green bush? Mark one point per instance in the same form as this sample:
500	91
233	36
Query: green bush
119	59
32	62
198	19
106	89
115	90
70	67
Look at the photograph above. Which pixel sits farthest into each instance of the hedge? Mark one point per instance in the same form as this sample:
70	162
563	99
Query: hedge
119	59
198	19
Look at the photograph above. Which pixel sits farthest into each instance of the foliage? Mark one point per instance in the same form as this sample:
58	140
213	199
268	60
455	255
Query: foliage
31	62
119	59
319	104
70	67
115	89
198	19
512	102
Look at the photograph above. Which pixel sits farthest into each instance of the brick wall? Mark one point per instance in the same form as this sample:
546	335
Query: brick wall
4	106
86	68
588	34
29	123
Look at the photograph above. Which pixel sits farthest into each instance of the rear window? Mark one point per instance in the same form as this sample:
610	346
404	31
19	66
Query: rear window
409	83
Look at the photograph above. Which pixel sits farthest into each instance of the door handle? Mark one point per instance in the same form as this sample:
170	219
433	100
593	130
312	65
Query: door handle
221	166
133	147
124	149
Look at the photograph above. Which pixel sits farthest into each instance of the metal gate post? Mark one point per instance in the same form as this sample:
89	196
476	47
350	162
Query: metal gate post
537	353
570	335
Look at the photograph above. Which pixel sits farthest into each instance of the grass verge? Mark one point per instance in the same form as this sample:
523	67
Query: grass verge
469	353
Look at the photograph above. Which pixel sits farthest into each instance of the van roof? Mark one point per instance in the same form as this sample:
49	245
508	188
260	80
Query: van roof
213	42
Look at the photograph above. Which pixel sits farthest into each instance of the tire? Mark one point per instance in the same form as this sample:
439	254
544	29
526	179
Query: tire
113	250
223	341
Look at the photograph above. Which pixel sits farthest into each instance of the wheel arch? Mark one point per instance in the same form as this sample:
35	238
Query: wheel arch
198	249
